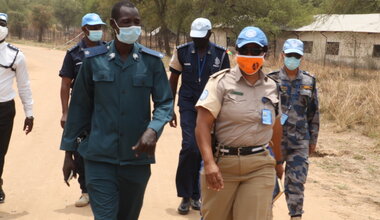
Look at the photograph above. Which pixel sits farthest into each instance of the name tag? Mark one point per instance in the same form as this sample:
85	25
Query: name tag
187	64
284	118
266	117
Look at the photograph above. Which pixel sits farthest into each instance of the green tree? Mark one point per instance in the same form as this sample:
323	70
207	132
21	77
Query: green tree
17	21
42	18
68	12
350	7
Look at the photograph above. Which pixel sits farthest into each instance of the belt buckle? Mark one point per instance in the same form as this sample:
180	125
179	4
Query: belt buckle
238	151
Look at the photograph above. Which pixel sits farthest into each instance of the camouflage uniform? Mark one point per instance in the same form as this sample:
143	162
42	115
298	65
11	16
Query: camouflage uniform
299	101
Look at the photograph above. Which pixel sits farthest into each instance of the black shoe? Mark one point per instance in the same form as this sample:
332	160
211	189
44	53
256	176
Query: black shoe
2	196
184	207
195	204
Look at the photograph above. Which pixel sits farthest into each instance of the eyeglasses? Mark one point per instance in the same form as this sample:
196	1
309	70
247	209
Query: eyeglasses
253	51
295	55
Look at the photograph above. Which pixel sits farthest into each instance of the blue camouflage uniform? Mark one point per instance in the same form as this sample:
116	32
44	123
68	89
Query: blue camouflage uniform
114	97
70	69
194	79
299	102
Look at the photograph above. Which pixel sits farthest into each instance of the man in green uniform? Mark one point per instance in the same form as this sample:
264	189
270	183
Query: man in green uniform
112	93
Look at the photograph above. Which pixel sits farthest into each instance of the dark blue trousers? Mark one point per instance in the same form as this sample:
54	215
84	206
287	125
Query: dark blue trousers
116	192
187	178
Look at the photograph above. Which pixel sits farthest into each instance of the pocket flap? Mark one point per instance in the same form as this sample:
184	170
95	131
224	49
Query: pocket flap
103	76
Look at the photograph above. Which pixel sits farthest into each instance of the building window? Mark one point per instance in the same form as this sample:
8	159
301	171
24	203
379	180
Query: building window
308	46
332	48
376	51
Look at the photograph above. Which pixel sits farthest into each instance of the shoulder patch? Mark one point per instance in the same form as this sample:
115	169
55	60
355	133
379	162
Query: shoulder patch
94	51
219	73
13	47
183	45
151	52
73	48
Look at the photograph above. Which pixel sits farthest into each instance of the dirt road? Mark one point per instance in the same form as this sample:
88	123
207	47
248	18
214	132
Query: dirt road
33	179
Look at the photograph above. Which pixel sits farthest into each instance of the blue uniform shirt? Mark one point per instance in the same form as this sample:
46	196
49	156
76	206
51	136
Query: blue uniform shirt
185	61
73	61
114	97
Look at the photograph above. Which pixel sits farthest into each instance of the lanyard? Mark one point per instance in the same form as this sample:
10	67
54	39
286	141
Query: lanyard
201	66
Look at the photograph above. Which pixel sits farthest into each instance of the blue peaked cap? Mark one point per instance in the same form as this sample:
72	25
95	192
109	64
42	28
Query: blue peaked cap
293	46
91	19
4	17
251	35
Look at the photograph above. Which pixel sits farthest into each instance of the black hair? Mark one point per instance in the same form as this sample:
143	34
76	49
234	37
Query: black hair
115	13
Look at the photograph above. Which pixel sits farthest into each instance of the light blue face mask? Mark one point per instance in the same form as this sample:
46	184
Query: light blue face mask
95	35
292	63
128	35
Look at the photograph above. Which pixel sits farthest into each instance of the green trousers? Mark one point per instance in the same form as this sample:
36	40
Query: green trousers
116	192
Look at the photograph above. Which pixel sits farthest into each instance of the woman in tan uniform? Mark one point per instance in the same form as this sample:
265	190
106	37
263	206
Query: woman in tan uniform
237	180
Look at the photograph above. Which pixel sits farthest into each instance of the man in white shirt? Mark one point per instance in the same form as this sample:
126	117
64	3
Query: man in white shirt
12	65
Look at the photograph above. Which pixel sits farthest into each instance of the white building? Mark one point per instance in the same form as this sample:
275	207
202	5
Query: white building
352	40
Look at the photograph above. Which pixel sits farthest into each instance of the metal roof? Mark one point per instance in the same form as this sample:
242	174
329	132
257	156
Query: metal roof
367	23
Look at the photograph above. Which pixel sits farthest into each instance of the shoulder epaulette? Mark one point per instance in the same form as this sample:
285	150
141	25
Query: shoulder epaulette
274	76
183	45
151	52
73	48
95	51
308	74
13	47
220	73
220	47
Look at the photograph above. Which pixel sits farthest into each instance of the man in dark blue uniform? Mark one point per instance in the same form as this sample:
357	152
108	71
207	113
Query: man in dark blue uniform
196	61
92	29
112	94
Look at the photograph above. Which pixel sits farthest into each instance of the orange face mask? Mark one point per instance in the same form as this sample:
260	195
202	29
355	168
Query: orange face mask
250	64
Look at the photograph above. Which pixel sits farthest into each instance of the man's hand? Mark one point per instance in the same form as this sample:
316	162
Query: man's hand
28	124
279	170
68	167
173	122
147	143
214	177
63	120
312	148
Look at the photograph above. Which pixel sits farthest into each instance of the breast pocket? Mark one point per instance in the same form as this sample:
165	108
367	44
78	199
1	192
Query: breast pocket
103	76
142	81
305	96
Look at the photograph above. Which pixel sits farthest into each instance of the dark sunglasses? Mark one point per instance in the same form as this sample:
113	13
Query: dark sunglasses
253	51
295	55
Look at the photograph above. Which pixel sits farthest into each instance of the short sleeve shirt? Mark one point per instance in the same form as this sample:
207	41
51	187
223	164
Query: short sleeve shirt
244	113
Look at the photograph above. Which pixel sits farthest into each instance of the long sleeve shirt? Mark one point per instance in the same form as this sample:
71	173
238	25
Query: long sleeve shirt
13	66
113	97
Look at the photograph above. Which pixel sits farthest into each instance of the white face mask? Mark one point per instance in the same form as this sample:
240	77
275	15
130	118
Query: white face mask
3	32
128	35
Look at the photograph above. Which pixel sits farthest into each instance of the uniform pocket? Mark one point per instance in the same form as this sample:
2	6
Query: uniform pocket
103	76
142	81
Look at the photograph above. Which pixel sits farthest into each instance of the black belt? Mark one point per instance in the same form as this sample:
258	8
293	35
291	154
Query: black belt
6	103
241	151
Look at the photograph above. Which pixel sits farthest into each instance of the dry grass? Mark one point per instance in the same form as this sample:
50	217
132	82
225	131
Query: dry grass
350	99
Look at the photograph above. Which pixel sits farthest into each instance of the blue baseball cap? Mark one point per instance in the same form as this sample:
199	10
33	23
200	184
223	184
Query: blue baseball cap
251	35
91	19
4	17
293	46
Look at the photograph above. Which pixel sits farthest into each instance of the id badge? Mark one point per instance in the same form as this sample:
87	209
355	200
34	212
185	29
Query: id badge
283	118
266	117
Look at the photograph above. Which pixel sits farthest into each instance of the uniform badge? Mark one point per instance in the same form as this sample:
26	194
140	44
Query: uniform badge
217	62
135	56
112	55
284	118
284	88
204	95
307	87
86	52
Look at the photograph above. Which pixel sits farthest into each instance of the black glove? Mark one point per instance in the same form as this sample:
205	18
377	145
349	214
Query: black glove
69	167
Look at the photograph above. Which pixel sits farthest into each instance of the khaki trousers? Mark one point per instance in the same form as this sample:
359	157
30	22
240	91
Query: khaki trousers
247	192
